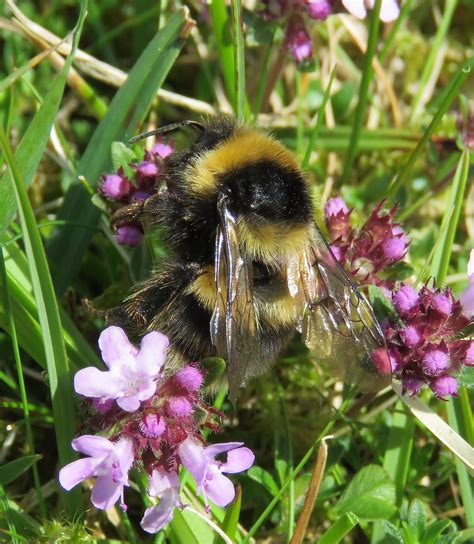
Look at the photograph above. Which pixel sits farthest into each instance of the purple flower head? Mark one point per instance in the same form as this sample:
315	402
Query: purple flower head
129	235
319	9
298	41
467	296
179	407
389	10
162	149
165	486
190	378
132	373
115	186
152	426
444	386
411	336
405	299
335	206
435	360
109	461
147	169
442	303
208	472
394	249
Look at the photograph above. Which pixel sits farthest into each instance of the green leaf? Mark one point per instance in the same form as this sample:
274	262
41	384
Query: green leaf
264	478
11	471
182	532
382	307
339	529
215	367
370	495
48	313
128	108
416	518
466	376
434	530
122	156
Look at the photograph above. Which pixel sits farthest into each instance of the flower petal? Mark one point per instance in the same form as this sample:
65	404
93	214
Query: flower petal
157	517
355	7
161	481
216	449
92	382
238	460
389	11
105	492
129	404
95	446
77	471
114	345
194	458
220	489
152	353
467	300
470	264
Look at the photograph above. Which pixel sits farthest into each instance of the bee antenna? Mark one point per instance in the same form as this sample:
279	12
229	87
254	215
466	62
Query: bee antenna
167	129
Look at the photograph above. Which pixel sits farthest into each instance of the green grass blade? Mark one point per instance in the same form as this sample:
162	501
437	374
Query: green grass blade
33	143
297	470
367	73
339	529
55	351
397	458
459	410
263	78
239	60
319	121
440	265
452	92
231	519
222	31
443	28
129	106
21	381
12	470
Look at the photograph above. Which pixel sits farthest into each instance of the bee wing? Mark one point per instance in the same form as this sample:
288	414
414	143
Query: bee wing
233	323
337	322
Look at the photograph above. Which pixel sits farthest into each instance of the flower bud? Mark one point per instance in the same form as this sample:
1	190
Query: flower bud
179	407
435	361
190	378
298	41
412	385
444	386
115	186
152	426
405	299
319	9
411	336
162	149
129	235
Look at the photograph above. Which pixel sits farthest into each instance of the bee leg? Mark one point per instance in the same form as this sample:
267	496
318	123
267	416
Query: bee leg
128	214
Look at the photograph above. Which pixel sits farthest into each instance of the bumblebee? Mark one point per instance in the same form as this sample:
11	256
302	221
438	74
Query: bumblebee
248	266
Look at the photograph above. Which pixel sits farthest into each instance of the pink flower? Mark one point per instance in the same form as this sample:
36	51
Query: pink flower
165	486
152	426
109	461
298	41
162	149
467	296
319	9
147	169
115	186
411	336
389	10
190	378
405	299
132	373
443	386
208	472
334	206
435	361
179	407
412	385
129	235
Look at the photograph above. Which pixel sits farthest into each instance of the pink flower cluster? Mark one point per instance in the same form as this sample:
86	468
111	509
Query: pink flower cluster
149	420
422	341
297	38
380	242
119	188
422	338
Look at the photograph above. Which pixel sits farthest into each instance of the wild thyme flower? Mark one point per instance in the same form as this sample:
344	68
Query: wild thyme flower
423	340
379	244
297	38
467	296
152	420
118	188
